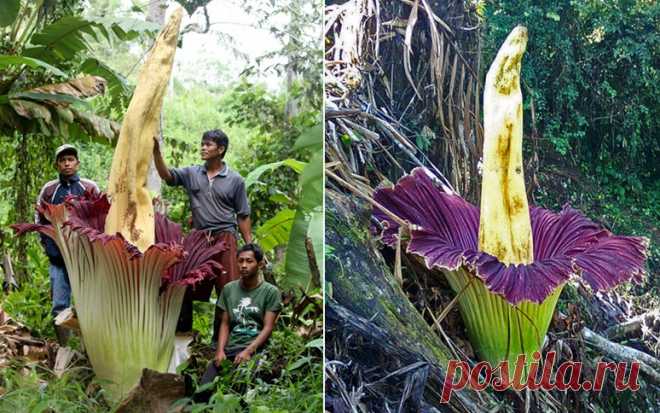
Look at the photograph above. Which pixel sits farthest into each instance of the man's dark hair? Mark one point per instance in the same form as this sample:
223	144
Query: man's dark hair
258	253
219	137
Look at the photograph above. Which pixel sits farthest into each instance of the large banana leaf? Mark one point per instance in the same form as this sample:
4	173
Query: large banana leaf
254	176
275	231
296	262
311	182
56	109
310	138
6	61
8	11
293	228
316	232
117	84
63	39
308	222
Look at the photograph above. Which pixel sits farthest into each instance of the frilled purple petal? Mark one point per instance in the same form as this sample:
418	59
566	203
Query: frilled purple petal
167	231
25	228
416	199
89	210
199	262
86	214
445	232
613	260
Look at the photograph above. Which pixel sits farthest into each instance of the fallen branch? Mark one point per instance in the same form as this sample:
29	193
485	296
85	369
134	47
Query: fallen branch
10	279
63	360
634	325
649	365
24	340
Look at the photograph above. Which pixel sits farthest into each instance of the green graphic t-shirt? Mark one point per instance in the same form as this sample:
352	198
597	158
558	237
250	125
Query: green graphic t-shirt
247	309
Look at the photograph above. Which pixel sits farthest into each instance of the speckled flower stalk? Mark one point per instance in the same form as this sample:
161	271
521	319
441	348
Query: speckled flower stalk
127	302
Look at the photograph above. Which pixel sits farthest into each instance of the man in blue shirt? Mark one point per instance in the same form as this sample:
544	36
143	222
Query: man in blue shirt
54	192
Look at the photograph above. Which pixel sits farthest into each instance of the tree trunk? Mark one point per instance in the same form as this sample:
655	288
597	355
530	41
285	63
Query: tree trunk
23	211
370	316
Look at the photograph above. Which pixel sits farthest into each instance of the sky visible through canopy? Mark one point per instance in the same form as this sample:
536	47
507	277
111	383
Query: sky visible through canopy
210	57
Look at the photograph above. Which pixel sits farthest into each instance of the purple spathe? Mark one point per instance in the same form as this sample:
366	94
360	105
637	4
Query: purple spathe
445	230
86	214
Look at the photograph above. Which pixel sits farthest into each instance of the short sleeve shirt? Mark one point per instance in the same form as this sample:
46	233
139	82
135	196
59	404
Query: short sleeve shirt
215	202
247	309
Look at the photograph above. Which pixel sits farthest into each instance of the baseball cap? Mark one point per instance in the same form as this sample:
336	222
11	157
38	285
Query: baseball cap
66	148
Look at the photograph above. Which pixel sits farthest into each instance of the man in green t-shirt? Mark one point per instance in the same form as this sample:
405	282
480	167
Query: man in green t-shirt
249	309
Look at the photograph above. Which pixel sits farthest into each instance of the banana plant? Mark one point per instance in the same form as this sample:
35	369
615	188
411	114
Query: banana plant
300	227
41	63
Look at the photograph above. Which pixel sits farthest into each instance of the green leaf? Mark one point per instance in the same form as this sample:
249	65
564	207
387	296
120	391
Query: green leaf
309	211
253	176
275	231
311	183
6	60
296	264
96	127
181	367
8	11
117	83
127	28
299	363
328	289
552	16
51	97
315	232
69	35
66	37
279	197
316	343
310	138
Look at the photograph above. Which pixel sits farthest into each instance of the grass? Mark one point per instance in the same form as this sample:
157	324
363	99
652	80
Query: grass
31	388
286	377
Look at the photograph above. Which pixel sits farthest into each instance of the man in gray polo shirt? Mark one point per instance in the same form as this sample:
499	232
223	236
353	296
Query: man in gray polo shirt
219	205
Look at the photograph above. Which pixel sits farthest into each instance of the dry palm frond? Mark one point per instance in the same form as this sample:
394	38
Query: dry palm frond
406	81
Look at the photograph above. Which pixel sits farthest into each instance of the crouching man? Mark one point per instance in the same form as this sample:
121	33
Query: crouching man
249	308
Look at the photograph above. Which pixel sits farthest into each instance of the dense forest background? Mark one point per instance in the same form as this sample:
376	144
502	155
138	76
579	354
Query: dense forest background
268	102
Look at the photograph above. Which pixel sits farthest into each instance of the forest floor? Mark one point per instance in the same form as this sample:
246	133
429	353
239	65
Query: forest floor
287	377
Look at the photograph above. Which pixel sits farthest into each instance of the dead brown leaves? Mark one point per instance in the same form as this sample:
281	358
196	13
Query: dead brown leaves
17	344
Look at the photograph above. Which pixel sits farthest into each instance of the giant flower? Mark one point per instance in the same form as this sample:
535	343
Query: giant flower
127	302
506	261
129	267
